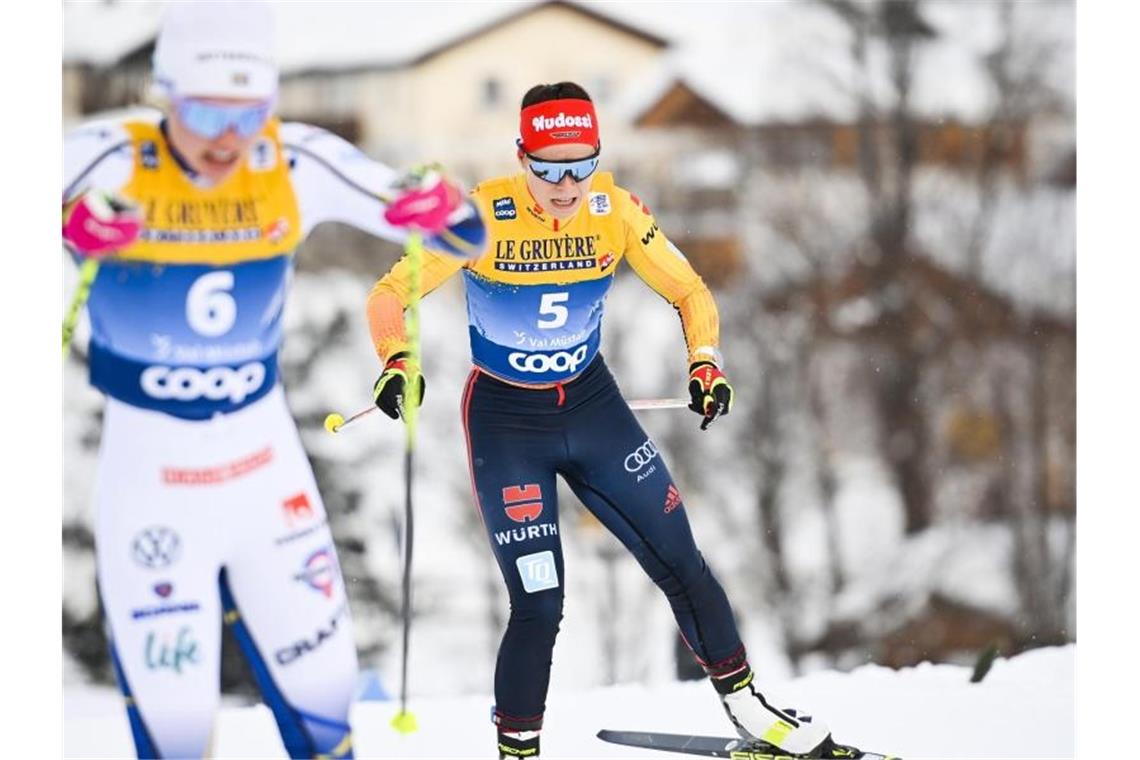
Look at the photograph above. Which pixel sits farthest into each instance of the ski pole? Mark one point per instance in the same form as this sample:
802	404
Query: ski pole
639	404
87	272
335	422
404	722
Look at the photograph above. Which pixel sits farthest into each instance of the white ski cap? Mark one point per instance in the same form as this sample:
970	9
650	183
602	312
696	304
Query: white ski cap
221	49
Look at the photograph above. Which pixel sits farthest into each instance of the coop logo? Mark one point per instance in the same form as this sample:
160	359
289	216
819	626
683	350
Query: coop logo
156	547
562	361
505	208
523	503
191	384
641	456
543	123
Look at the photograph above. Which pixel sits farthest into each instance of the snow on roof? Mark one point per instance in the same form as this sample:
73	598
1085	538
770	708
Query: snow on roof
758	62
100	33
332	34
783	62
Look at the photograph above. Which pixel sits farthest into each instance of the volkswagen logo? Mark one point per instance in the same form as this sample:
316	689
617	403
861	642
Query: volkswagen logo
156	547
641	456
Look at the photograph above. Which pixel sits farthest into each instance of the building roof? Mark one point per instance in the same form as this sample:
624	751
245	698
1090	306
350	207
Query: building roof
787	63
753	62
334	34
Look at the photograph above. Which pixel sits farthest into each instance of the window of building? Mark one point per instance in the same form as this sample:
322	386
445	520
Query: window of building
492	92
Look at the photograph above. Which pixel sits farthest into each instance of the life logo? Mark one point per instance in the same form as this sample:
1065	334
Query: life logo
319	571
505	208
156	547
523	503
163	654
641	456
561	361
191	383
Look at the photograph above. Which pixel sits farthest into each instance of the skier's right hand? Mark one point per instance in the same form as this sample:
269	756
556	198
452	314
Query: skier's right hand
98	223
428	201
389	391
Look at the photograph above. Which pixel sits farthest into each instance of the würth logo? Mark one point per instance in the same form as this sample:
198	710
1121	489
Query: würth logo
672	499
523	503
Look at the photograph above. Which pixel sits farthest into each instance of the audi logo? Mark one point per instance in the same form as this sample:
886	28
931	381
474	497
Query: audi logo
641	456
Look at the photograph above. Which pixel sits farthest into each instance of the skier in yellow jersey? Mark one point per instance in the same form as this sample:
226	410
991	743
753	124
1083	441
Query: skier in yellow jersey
541	402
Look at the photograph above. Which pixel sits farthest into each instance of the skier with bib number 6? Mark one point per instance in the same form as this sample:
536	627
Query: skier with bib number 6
540	402
206	508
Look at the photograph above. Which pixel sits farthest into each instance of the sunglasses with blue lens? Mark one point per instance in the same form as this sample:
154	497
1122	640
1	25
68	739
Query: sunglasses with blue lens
212	120
554	171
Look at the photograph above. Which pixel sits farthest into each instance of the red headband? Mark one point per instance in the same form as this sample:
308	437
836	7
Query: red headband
555	122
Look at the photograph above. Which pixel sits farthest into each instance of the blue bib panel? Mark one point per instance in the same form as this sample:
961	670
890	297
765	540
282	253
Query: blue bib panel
190	340
535	334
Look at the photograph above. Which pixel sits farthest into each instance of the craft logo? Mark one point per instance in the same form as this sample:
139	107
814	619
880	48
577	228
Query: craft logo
289	654
505	208
523	503
319	572
672	499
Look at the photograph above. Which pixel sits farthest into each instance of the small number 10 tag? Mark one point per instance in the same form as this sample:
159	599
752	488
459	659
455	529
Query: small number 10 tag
537	571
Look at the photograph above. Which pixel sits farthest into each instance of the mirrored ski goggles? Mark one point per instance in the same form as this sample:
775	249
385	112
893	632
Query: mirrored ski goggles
212	120
554	171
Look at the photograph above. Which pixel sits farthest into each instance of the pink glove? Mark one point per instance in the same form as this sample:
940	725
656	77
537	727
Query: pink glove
426	207
100	224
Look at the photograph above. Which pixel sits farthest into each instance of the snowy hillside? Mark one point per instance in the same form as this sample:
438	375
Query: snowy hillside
1023	709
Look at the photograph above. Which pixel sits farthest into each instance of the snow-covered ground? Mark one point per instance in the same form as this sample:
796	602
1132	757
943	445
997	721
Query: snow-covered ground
1024	708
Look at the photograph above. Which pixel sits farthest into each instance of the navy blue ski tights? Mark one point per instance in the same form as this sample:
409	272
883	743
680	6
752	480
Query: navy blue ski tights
518	439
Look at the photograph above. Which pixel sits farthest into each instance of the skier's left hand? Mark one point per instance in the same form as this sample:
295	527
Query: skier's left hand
426	203
709	391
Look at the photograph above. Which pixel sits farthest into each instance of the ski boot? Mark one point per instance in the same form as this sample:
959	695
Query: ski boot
514	744
790	731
